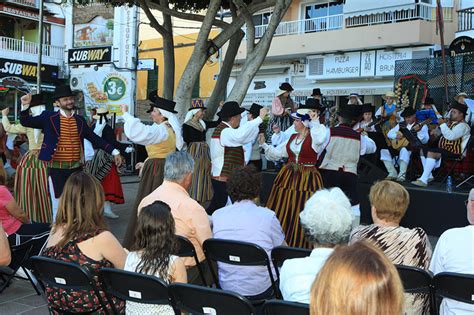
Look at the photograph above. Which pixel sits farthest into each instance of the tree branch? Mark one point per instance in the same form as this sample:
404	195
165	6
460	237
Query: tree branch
153	21
249	24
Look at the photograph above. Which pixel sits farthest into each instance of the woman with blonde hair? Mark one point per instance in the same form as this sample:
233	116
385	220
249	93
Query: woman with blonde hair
80	236
403	246
357	280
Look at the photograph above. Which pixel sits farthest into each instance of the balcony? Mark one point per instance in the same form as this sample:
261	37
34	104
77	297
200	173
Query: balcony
466	20
20	49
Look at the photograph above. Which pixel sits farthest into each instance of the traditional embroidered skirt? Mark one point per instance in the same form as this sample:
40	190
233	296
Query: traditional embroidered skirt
292	187
31	188
152	177
283	121
201	187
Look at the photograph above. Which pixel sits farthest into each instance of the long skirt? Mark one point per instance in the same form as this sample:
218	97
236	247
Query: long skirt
283	121
292	187
201	187
152	177
31	188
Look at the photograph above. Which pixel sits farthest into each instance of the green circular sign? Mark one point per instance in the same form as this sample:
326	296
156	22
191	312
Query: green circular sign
115	88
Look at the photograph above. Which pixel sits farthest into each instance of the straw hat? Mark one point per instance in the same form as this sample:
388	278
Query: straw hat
389	94
462	94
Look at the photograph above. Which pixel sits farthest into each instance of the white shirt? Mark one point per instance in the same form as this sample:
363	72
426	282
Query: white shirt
298	274
454	252
461	130
422	134
140	133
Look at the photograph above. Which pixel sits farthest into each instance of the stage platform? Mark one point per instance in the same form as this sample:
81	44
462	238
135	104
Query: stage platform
431	208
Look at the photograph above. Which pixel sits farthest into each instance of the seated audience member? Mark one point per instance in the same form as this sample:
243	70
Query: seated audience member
245	221
403	246
155	243
14	220
358	280
80	236
327	222
190	218
454	252
5	254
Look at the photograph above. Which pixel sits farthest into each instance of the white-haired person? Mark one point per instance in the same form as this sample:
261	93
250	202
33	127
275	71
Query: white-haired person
327	222
194	135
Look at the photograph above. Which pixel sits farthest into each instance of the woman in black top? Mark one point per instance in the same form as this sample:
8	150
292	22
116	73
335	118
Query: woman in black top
194	134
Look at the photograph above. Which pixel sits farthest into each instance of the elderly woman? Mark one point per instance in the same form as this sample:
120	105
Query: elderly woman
299	178
404	246
327	221
194	135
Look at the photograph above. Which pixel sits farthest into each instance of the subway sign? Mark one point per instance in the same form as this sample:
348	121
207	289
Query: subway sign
81	56
27	70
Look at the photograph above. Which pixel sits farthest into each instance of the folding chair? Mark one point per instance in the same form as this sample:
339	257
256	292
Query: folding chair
68	276
279	307
186	249
454	286
21	260
282	253
416	280
200	300
135	287
237	253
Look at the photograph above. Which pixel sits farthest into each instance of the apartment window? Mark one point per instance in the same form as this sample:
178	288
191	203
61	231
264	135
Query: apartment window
323	17
322	10
152	83
262	18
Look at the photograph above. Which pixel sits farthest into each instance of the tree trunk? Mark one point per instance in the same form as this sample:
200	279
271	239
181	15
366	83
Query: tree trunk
168	55
196	62
255	59
219	92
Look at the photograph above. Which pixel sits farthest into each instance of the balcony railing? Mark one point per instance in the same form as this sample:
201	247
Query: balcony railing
23	48
466	19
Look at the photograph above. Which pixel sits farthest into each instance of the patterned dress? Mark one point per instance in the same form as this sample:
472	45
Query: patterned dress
79	301
403	246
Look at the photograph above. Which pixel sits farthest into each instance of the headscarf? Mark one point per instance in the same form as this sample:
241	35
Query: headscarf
36	111
191	114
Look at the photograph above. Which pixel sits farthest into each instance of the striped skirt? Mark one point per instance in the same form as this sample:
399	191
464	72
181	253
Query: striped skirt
292	187
201	187
152	177
31	188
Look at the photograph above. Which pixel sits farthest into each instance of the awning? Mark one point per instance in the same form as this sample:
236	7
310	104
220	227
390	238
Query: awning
367	7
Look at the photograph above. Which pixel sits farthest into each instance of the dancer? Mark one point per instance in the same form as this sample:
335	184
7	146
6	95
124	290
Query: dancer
227	152
252	149
31	178
282	107
299	178
194	135
159	139
64	134
101	164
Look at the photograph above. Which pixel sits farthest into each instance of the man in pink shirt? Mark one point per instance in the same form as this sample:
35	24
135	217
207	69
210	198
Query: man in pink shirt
190	217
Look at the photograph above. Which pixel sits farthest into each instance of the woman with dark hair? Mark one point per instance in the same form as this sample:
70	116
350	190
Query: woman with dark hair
80	236
155	243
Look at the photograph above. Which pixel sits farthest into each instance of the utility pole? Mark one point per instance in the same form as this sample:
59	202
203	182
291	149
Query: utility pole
440	21
40	46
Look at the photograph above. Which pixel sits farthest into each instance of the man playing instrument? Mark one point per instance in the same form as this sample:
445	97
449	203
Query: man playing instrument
404	153
454	138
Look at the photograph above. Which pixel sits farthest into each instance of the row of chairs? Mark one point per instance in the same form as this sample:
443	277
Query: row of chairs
136	287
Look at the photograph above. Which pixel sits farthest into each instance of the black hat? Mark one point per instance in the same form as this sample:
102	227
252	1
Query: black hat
350	111
460	107
230	109
312	103
429	101
63	91
255	109
161	103
317	92
286	87
407	112
37	99
367	108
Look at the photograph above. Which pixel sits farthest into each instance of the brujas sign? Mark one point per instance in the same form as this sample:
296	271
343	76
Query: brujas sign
90	55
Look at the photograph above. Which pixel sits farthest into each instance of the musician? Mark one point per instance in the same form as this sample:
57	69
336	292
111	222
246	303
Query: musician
429	104
454	138
367	123
410	123
388	110
354	99
461	98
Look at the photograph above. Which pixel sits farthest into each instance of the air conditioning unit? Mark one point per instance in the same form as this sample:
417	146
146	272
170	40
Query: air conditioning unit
76	83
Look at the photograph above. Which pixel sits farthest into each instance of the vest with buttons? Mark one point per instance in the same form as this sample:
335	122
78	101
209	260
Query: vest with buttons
233	156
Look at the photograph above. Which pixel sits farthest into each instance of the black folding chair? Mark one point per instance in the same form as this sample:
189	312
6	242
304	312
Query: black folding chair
279	307
455	286
200	300
186	249
282	253
237	253
21	260
416	280
68	276
135	287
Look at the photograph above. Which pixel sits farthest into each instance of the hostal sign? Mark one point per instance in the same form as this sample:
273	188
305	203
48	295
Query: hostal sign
90	55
